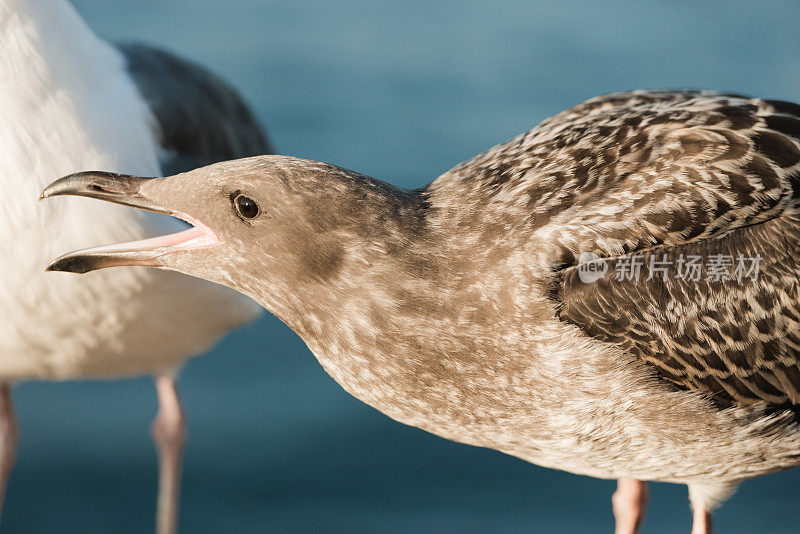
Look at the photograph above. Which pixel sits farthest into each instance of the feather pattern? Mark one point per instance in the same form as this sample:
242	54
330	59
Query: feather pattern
463	307
647	179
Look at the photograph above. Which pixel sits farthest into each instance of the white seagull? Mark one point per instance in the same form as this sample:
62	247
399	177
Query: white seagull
71	101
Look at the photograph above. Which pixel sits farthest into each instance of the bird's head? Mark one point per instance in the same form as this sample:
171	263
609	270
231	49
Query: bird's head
267	220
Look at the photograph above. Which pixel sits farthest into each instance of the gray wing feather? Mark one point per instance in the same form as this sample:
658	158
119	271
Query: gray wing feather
201	118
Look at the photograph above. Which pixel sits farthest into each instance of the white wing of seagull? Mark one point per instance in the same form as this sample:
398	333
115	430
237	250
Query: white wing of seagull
201	118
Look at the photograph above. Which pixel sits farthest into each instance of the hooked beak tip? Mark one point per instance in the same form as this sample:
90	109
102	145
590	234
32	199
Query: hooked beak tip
47	192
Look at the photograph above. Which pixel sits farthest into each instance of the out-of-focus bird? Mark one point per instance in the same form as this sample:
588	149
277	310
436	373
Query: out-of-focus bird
68	101
615	293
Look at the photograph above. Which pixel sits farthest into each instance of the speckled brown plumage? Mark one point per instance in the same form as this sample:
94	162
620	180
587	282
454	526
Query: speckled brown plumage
671	173
459	307
737	341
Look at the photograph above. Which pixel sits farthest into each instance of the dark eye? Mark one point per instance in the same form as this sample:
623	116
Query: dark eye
246	206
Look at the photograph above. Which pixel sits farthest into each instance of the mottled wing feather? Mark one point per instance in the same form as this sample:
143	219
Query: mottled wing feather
730	332
201	118
682	174
659	172
633	170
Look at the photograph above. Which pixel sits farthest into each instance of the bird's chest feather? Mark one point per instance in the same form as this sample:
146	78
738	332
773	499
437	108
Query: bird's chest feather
552	398
486	383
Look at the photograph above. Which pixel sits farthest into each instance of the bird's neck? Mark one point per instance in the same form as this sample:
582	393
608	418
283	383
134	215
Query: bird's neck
406	316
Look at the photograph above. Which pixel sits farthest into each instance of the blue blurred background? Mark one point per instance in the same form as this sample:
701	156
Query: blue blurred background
401	91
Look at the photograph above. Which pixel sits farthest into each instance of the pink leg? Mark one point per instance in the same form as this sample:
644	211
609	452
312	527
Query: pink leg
701	521
9	435
169	434
629	503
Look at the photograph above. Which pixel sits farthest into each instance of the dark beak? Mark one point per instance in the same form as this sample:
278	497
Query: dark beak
117	188
125	190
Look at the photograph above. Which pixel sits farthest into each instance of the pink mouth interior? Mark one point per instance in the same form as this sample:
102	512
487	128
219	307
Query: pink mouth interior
199	236
188	239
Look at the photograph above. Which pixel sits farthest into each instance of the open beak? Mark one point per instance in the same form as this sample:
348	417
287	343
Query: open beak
129	191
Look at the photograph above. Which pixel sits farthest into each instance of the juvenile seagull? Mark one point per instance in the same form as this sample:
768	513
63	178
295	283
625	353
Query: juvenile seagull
71	101
543	298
